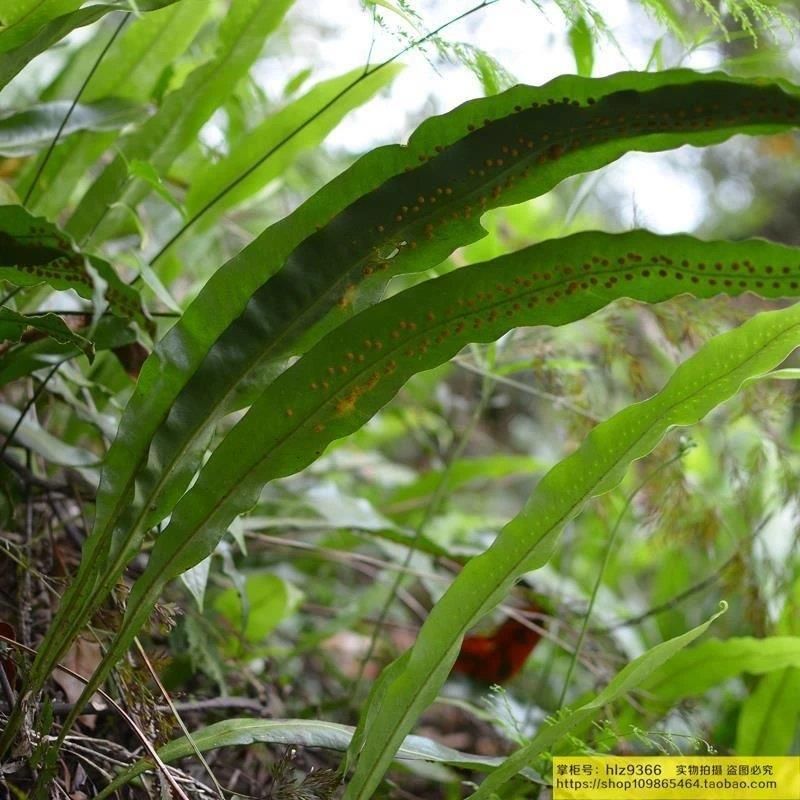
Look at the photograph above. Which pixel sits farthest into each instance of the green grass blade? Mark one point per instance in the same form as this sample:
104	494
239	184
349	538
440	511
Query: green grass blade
715	661
31	435
31	36
14	57
146	47
770	715
26	17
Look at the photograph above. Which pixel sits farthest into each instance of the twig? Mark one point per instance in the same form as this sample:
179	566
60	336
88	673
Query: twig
183	707
668	605
430	510
303	125
31	478
557	400
39	389
64	121
140	734
601	572
177	716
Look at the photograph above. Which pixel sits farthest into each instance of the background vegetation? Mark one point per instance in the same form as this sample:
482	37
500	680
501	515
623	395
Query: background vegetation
142	148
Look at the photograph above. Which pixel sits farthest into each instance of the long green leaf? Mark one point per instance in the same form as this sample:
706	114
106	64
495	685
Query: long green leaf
627	679
13	325
22	18
707	379
22	42
147	46
110	332
301	732
770	716
356	369
34	437
23	133
183	113
715	661
232	339
398	209
15	54
34	251
265	136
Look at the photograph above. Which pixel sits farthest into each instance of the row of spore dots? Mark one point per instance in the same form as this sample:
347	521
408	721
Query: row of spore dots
681	118
576	278
599	128
554	152
64	268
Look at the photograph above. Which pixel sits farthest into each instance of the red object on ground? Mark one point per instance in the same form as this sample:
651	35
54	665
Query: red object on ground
499	657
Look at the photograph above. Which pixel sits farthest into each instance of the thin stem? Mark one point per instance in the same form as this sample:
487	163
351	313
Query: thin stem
11	294
606	559
709	580
438	494
34	398
74	103
303	125
63	312
178	718
145	740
